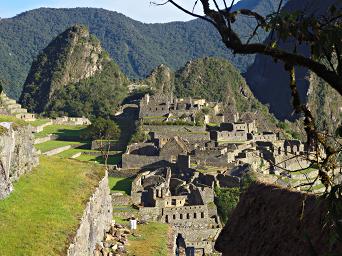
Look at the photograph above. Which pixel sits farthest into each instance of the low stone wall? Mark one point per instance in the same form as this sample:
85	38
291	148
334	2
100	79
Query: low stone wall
96	220
45	139
40	128
56	151
17	156
120	199
149	213
76	155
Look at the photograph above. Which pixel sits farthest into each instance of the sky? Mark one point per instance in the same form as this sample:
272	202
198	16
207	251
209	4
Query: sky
140	10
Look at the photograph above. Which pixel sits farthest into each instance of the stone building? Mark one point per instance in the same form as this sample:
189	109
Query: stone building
163	196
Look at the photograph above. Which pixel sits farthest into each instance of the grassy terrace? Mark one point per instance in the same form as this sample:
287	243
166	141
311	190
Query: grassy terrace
39	122
65	132
50	145
4	118
152	240
43	212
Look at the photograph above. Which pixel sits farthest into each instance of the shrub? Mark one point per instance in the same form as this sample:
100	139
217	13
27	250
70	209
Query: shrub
226	200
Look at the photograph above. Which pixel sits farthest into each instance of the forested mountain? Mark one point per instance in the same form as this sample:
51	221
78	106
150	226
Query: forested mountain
136	47
74	76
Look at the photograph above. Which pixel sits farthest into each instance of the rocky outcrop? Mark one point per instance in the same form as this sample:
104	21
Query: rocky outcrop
95	222
274	221
17	155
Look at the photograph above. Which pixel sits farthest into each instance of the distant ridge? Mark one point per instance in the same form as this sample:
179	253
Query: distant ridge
136	47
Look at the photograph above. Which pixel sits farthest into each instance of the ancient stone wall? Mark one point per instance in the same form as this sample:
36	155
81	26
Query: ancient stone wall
137	162
45	139
96	220
56	151
40	128
185	215
17	156
190	133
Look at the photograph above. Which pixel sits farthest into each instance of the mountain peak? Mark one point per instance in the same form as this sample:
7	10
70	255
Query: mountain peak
73	56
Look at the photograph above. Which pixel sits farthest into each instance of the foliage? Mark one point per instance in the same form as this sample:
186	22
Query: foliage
99	95
101	129
226	200
47	202
199	118
139	135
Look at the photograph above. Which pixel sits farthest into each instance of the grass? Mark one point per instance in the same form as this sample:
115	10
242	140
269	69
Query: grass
39	122
123	185
231	142
43	212
64	132
53	144
70	152
154	117
19	122
152	240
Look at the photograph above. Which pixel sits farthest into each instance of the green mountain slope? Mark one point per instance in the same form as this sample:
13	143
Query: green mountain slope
136	47
74	76
214	79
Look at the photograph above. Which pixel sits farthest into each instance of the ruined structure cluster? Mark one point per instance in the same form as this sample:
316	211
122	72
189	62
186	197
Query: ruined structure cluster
180	164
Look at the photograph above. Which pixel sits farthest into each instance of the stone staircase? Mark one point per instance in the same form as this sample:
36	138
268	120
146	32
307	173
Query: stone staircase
11	107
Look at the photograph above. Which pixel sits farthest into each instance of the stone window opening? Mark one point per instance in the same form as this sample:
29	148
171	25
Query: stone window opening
181	216
188	216
195	215
167	218
174	216
202	215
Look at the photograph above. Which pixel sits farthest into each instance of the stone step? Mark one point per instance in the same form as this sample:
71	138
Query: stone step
8	101
16	111
13	106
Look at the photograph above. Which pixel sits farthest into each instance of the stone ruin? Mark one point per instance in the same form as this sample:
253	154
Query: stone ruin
169	196
11	107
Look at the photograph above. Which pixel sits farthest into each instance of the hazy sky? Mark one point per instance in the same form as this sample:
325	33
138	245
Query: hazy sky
140	10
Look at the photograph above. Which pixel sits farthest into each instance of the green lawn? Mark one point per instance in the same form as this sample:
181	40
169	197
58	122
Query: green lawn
53	144
64	132
43	212
70	152
39	122
120	184
152	240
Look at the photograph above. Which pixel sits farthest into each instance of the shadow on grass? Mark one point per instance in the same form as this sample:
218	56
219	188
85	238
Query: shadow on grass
123	185
112	159
69	135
